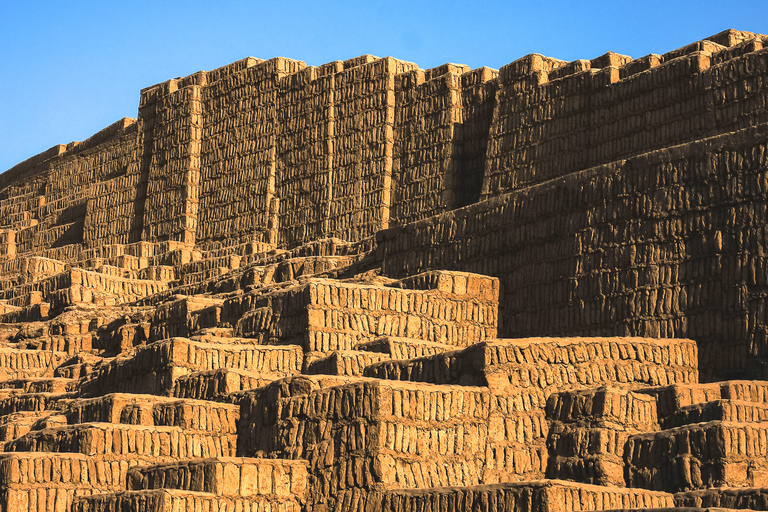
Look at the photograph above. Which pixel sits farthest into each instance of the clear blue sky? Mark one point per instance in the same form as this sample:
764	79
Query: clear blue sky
71	68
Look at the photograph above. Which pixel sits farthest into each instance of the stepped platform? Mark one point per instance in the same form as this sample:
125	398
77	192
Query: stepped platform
46	469
175	318
749	498
233	477
141	442
19	364
726	410
678	509
604	406
672	400
43	482
342	362
325	315
413	434
553	363
536	496
701	455
404	348
589	429
217	384
40	385
173	500
13	401
77	286
154	368
150	410
17	424
24	309
44	465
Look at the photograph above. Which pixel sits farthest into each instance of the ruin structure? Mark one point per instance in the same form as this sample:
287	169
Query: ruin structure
365	287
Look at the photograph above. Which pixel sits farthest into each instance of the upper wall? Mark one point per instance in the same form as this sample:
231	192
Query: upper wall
280	153
240	153
553	118
47	205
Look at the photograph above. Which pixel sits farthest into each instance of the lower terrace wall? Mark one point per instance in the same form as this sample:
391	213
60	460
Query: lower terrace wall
671	243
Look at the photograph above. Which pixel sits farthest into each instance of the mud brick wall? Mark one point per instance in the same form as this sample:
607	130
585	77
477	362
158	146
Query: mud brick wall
364	112
154	368
517	432
35	268
102	289
111	212
403	348
604	406
65	253
589	429
216	384
515	424
49	205
342	362
107	442
234	477
552	364
673	401
21	207
372	435
478	98
173	187
171	500
424	171
27	178
260	151
78	285
39	482
107	173
18	424
29	402
112	408
652	246
714	454
137	409
554	118
258	416
24	240
237	194
174	318
748	390
745	498
669	243
7	245
305	141
513	80
726	410
27	363
552	496
198	416
325	315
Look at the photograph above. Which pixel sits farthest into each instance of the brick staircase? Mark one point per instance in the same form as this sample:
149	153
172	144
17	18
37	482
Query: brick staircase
271	414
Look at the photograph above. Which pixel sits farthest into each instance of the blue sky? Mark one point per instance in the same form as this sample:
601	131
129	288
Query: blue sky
72	68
